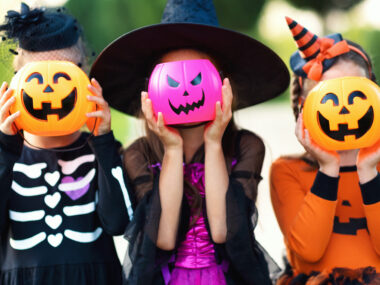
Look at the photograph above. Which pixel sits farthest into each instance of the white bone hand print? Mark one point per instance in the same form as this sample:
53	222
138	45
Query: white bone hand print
52	177
53	221
32	171
55	240
52	200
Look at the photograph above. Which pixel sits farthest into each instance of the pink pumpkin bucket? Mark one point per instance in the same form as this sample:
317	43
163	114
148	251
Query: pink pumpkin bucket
185	91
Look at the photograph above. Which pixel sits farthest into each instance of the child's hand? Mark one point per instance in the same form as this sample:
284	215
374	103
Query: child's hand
214	131
366	162
328	160
103	113
6	101
169	137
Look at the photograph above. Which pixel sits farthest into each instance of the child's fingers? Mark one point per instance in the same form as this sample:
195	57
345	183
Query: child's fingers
97	114
96	84
99	101
152	126
307	139
11	118
373	150
95	91
149	110
6	96
150	119
3	88
299	130
227	115
144	96
218	112
4	110
227	94
309	144
145	109
160	122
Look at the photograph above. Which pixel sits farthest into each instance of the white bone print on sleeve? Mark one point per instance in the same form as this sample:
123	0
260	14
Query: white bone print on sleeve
117	172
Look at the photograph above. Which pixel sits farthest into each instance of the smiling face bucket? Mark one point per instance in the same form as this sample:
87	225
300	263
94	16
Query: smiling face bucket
343	113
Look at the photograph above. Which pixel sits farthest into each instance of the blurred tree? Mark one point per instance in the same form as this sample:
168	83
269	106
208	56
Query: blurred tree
105	20
369	39
324	6
238	15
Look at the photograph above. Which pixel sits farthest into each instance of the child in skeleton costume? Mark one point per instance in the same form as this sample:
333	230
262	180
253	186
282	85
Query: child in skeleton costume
196	186
326	202
62	198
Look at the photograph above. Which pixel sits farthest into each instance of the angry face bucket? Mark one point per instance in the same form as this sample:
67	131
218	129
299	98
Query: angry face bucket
185	91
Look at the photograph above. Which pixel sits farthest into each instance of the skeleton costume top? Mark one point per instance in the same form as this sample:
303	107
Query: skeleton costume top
59	210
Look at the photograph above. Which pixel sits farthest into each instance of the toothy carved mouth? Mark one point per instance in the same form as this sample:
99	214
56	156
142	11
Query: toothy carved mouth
67	106
365	123
186	109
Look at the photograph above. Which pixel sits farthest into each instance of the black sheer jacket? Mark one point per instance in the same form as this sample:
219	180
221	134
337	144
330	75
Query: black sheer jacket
246	261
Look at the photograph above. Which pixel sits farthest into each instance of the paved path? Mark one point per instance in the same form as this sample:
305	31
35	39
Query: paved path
274	123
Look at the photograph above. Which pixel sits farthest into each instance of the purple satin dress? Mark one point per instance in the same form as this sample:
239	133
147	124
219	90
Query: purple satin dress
195	260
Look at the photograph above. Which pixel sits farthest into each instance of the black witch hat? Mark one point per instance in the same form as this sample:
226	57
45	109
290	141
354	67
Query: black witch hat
256	72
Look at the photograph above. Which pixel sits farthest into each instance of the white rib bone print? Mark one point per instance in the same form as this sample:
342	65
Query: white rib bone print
52	200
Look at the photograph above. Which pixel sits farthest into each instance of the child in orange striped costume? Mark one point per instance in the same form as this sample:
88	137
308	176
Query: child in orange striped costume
327	204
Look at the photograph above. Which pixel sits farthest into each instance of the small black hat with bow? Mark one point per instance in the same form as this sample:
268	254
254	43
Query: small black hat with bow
40	29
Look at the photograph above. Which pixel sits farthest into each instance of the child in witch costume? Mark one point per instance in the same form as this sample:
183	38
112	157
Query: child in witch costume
327	202
196	184
62	197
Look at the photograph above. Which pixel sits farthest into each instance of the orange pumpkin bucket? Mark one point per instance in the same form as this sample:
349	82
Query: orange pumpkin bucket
51	97
343	113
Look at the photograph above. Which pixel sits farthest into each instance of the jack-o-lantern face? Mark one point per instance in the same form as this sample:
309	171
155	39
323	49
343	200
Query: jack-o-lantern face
185	91
51	98
343	113
348	220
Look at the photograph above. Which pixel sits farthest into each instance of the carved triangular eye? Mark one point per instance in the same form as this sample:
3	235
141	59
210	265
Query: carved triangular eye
172	82
197	80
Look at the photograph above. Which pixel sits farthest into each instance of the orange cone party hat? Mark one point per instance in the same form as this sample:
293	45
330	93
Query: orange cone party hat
307	42
315	55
